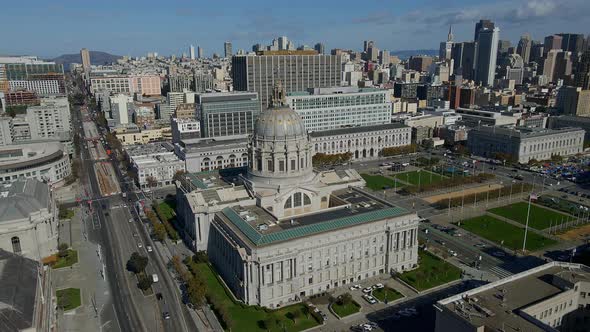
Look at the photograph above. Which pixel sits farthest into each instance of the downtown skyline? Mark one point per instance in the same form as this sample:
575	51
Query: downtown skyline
133	29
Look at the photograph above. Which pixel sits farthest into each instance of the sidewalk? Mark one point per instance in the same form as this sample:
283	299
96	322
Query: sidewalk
84	275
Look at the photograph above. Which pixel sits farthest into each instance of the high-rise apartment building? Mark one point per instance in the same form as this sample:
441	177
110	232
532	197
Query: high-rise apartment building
227	49
181	82
297	70
85	55
51	119
227	113
524	47
120	108
487	50
203	81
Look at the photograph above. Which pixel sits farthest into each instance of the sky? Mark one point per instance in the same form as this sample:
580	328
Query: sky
130	27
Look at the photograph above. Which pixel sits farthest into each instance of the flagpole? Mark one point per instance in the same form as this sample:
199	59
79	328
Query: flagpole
526	227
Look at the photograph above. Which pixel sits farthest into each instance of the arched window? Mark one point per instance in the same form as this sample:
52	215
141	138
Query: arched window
297	200
16	245
306	200
288	203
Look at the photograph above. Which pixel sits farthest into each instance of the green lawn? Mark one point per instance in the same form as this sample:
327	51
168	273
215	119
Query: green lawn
377	182
497	231
167	210
68	298
432	272
69	260
540	218
346	309
386	293
419	177
250	318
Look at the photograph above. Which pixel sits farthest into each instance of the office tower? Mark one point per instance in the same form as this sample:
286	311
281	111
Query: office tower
420	63
373	53
256	48
582	76
85	55
446	48
482	25
572	42
297	71
524	47
384	58
319	47
537	52
504	47
227	113
227	48
192	52
487	50
283	43
200	52
557	65
552	42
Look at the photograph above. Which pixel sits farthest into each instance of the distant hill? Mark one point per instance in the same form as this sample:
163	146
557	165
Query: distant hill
404	54
96	58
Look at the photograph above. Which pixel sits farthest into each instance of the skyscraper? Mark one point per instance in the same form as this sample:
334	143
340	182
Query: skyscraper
446	48
524	47
487	50
200	52
319	47
582	78
552	42
85	55
481	25
227	49
557	65
572	42
192	52
463	55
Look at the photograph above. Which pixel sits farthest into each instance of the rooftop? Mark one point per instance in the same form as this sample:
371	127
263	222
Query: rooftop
498	304
358	129
524	132
348	208
26	155
23	197
149	149
332	91
18	276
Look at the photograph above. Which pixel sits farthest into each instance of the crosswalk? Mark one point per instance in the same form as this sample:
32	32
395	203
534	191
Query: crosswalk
500	272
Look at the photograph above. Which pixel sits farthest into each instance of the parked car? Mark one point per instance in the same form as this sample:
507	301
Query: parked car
378	286
149	248
369	299
367	290
355	287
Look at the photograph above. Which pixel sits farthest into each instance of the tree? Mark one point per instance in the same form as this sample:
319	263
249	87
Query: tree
296	314
159	231
179	175
145	282
137	263
225	317
305	310
62	249
151	181
201	257
270	323
196	290
345	299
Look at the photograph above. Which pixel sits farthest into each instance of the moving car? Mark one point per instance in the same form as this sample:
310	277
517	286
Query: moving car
155	277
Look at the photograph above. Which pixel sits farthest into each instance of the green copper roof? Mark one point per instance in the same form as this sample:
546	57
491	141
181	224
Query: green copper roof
292	233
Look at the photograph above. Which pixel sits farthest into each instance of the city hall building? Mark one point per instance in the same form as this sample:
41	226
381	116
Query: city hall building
280	232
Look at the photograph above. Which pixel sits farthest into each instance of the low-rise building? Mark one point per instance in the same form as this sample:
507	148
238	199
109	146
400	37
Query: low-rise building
524	144
551	297
28	219
478	117
568	121
136	136
209	154
154	162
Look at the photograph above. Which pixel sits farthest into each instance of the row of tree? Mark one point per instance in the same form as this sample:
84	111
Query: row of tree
137	264
322	159
172	233
447	182
484	195
397	150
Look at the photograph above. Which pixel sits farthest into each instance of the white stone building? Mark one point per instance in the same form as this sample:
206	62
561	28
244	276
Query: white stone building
154	160
28	219
282	232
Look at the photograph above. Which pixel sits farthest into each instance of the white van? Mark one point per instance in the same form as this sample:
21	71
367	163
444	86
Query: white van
155	277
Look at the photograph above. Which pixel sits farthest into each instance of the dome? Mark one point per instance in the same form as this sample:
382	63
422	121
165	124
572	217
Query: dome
280	122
